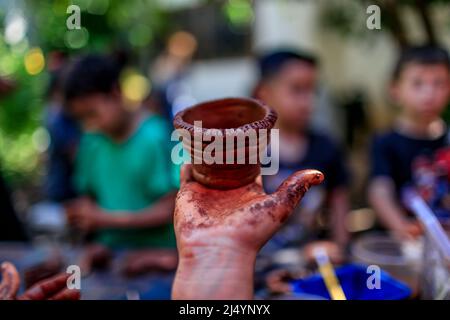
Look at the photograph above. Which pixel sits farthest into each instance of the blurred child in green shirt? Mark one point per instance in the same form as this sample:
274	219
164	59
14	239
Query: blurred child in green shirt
123	173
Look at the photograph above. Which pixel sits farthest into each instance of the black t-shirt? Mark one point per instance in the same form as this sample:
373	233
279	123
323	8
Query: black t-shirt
10	227
323	154
393	153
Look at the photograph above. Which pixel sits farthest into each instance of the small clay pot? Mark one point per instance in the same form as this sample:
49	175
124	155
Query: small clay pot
223	118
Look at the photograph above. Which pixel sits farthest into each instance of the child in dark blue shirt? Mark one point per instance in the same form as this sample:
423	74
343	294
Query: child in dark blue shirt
420	87
288	84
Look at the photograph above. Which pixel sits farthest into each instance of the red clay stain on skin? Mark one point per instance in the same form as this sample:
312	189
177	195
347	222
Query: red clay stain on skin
269	204
255	209
179	195
10	281
252	221
318	177
189	254
284	216
202	211
205	224
186	228
255	214
294	193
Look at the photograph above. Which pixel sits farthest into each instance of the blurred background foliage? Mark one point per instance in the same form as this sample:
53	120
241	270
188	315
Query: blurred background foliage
342	16
30	30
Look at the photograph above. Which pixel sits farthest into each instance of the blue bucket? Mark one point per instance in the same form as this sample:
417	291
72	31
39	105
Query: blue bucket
353	279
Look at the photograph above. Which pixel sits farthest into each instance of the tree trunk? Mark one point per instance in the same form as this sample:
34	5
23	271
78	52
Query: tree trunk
394	21
422	7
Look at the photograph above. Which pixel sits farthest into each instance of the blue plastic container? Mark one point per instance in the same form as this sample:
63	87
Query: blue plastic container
353	279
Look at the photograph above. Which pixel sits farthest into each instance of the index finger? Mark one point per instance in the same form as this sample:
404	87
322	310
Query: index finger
46	288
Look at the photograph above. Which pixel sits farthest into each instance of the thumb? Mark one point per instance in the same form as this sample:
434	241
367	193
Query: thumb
292	190
10	281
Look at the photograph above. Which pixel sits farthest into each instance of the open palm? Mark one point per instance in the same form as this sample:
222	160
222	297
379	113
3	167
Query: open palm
245	217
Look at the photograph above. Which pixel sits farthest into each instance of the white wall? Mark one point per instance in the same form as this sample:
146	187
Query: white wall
222	78
285	23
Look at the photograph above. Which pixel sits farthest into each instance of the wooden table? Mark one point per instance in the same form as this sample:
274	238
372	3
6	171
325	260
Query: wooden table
99	285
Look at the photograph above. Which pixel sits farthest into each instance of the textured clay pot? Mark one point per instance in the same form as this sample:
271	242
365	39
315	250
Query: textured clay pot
225	117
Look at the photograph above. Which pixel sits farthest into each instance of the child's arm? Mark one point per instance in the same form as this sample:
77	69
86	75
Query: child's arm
86	215
158	214
218	244
339	207
383	201
382	195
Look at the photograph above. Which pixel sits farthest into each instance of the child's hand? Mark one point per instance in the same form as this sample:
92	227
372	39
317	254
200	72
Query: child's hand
408	231
54	288
84	214
278	281
245	217
94	256
414	229
219	233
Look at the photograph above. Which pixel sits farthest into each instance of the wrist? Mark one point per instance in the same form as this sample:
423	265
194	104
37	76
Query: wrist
401	226
105	220
123	219
214	272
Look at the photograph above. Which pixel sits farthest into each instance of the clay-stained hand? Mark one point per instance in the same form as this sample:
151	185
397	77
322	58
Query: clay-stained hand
10	281
243	218
54	288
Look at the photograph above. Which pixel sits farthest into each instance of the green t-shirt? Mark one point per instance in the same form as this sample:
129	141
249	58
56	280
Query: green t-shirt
130	176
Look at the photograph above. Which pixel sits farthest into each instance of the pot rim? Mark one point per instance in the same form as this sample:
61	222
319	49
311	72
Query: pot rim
267	122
